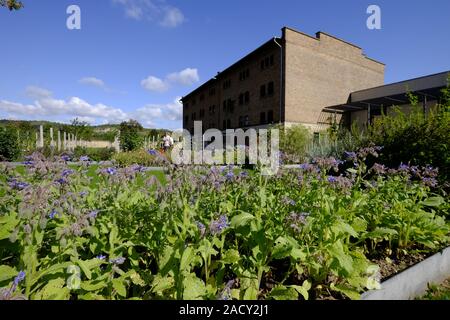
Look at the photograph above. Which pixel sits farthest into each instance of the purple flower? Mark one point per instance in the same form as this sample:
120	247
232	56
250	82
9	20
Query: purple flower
201	227
53	214
297	220
65	158
217	226
84	158
350	156
83	193
117	261
67	172
101	257
17	185
430	182
331	179
61	181
288	201
93	214
153	152
111	171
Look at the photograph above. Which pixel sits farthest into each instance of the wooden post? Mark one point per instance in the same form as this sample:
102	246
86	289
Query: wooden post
64	141
59	140
41	136
52	142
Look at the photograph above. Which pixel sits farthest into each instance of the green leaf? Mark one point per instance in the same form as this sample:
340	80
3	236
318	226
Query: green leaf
433	202
160	284
7	272
93	285
186	259
119	287
194	288
284	293
230	256
352	294
54	290
85	269
345	261
241	220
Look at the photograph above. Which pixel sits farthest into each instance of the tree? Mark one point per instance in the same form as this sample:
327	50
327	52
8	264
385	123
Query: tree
81	129
129	135
11	4
9	144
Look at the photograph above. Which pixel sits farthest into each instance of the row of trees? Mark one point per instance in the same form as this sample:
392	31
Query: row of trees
11	4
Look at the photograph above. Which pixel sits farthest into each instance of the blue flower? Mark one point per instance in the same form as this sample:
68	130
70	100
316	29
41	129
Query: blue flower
229	175
84	158
65	158
331	179
15	184
53	214
217	226
350	155
117	261
201	227
93	214
83	193
61	181
153	152
101	257
111	171
67	172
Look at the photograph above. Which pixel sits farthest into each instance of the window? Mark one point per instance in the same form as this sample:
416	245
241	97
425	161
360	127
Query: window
271	60
247	97
246	121
212	91
228	123
212	109
270	89
262	118
230	106
224	124
202	97
241	121
241	99
262	91
227	84
224	105
270	116
244	74
202	113
194	101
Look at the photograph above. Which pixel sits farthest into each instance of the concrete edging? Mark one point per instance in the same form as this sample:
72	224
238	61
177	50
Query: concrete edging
413	282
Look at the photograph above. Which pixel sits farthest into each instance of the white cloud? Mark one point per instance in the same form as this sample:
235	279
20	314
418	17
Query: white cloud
185	77
46	106
153	10
92	81
36	92
152	83
173	17
170	112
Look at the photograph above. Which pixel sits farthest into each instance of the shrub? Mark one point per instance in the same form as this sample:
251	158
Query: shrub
9	145
140	157
417	138
129	135
294	142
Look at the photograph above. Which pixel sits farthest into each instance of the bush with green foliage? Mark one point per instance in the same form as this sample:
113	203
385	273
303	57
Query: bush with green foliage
9	145
417	137
294	141
130	139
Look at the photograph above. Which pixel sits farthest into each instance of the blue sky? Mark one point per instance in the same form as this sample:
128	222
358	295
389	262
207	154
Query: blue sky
136	58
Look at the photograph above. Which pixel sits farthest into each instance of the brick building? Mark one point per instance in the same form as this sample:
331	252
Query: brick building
289	79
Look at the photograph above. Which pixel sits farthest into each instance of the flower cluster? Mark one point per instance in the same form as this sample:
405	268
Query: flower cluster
297	220
218	226
17	185
7	294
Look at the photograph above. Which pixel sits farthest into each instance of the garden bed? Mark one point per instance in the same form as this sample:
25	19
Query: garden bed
414	281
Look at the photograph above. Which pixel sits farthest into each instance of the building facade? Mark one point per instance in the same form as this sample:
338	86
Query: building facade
287	80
